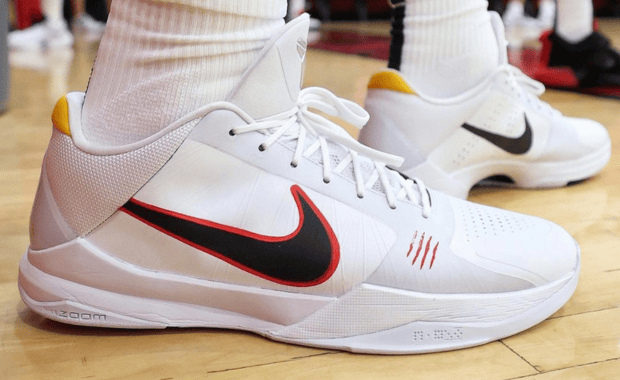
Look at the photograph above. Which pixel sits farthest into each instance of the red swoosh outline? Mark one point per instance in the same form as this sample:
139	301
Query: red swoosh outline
297	193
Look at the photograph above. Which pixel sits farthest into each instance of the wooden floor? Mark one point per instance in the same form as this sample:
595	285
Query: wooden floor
581	341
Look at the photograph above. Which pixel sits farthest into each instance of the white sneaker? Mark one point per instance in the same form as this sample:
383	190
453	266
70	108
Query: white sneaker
499	128
257	214
44	35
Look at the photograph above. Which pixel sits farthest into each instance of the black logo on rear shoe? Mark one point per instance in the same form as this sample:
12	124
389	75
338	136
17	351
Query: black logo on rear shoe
308	256
519	145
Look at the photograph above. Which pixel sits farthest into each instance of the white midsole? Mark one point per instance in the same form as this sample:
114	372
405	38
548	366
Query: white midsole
523	173
367	319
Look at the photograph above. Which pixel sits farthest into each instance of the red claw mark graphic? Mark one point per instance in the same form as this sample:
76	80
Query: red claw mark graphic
427	249
417	254
434	253
415	235
428	245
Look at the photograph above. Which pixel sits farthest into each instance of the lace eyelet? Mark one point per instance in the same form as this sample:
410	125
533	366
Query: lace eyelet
360	196
393	207
232	132
293	165
326	181
261	148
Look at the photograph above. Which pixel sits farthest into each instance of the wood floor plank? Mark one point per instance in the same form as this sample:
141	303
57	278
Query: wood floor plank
570	341
605	370
12	247
489	362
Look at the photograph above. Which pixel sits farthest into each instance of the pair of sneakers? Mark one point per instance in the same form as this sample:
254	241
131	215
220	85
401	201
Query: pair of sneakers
258	214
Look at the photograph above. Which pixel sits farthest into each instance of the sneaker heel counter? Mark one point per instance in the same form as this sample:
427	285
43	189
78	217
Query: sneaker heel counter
48	227
383	131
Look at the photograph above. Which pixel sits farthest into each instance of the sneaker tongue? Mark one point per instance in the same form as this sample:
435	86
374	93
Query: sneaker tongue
500	36
272	84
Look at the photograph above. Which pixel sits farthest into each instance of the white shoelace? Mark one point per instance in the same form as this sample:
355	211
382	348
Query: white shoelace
529	88
300	122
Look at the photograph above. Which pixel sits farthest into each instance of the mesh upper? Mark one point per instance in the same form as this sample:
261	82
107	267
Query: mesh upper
90	188
481	221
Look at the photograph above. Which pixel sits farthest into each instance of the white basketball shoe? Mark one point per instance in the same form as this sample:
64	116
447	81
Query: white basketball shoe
44	35
258	214
500	127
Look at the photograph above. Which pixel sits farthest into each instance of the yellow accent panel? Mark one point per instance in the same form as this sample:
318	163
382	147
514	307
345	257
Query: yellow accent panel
388	80
60	116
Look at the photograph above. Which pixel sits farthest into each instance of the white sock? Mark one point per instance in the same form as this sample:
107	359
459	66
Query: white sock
513	12
575	19
52	9
449	45
546	13
160	59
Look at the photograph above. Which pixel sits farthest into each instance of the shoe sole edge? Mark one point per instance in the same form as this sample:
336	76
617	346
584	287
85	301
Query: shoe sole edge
416	336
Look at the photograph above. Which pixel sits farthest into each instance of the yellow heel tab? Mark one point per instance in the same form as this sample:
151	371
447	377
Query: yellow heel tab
390	80
60	116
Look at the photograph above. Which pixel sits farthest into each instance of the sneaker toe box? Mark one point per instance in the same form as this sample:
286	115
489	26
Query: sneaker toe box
531	249
574	138
591	134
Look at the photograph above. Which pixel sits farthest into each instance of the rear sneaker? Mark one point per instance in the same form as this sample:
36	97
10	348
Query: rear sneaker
591	66
44	35
260	215
498	128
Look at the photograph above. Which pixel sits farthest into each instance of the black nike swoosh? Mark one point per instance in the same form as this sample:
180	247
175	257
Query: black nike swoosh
308	256
519	145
